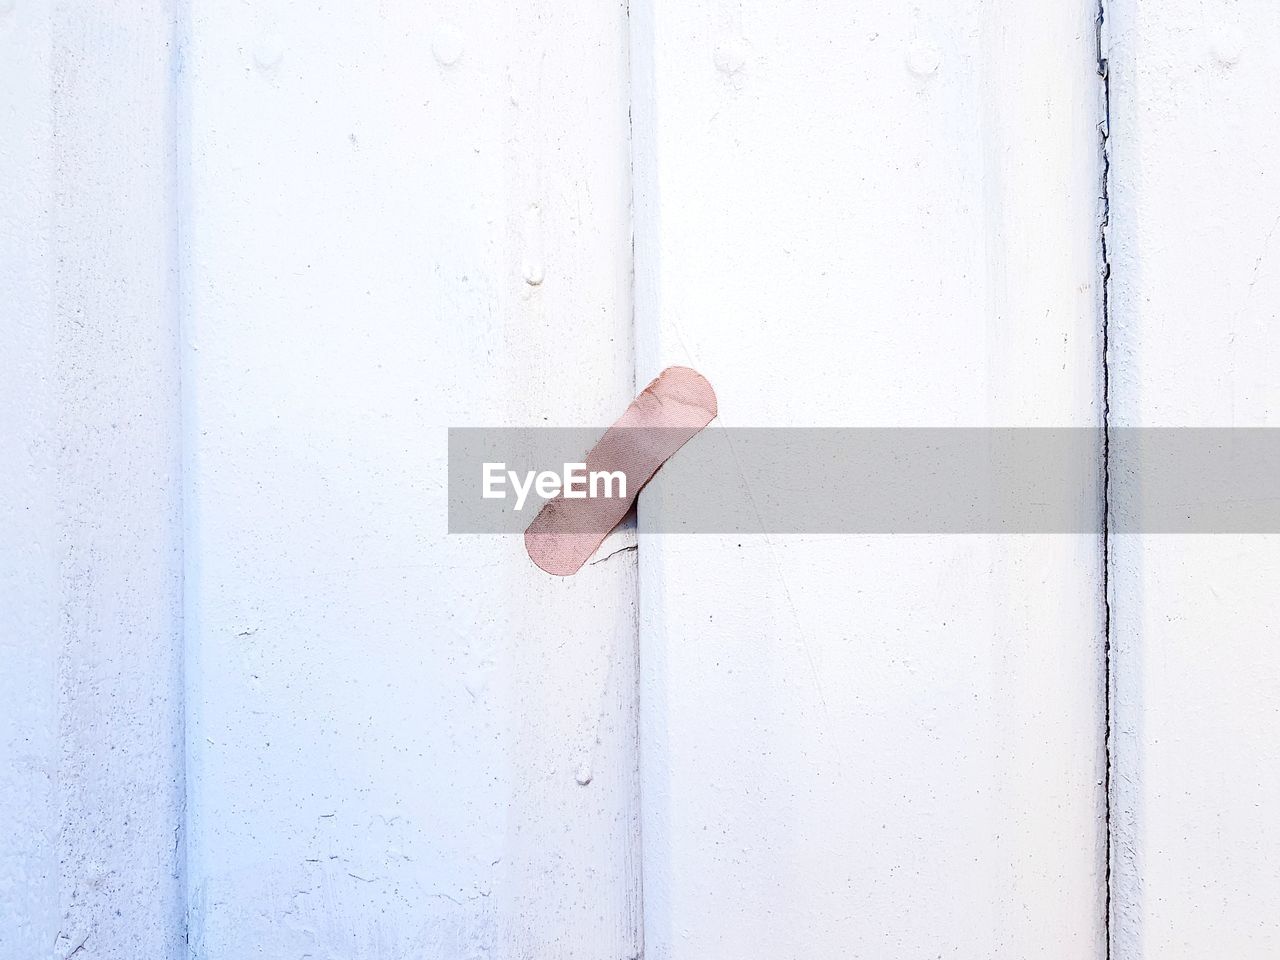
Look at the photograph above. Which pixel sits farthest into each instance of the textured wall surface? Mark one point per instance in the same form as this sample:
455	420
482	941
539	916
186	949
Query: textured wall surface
400	219
29	619
255	259
1195	236
90	624
872	215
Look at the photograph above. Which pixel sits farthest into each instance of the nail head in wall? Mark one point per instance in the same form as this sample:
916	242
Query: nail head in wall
1226	46
923	58
731	55
446	47
583	775
268	52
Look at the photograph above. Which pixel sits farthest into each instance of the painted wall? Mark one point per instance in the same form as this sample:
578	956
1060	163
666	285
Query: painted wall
256	259
401	744
1195	208
91	784
871	215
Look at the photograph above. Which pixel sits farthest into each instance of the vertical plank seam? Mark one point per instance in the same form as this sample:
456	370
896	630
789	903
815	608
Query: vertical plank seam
1108	678
179	118
638	935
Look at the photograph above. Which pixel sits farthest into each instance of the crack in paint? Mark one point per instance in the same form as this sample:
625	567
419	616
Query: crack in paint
631	548
1104	224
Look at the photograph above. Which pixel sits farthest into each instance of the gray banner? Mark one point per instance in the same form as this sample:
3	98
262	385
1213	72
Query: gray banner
893	480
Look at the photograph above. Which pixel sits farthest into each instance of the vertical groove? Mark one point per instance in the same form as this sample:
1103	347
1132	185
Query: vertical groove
1104	222
180	152
638	810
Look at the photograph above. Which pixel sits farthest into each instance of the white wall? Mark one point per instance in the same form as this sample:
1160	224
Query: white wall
257	258
871	215
90	623
28	570
1196	279
400	219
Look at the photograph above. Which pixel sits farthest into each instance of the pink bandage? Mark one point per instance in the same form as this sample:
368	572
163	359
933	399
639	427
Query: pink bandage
657	423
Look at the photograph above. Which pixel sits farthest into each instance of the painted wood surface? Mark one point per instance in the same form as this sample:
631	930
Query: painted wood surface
90	538
1195	235
399	219
862	214
257	259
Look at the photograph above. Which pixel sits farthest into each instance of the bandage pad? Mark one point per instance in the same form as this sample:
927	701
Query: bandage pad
657	423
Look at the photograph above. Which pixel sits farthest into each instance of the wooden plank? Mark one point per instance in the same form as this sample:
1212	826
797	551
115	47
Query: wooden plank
90	531
29	914
1195	203
402	218
863	214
